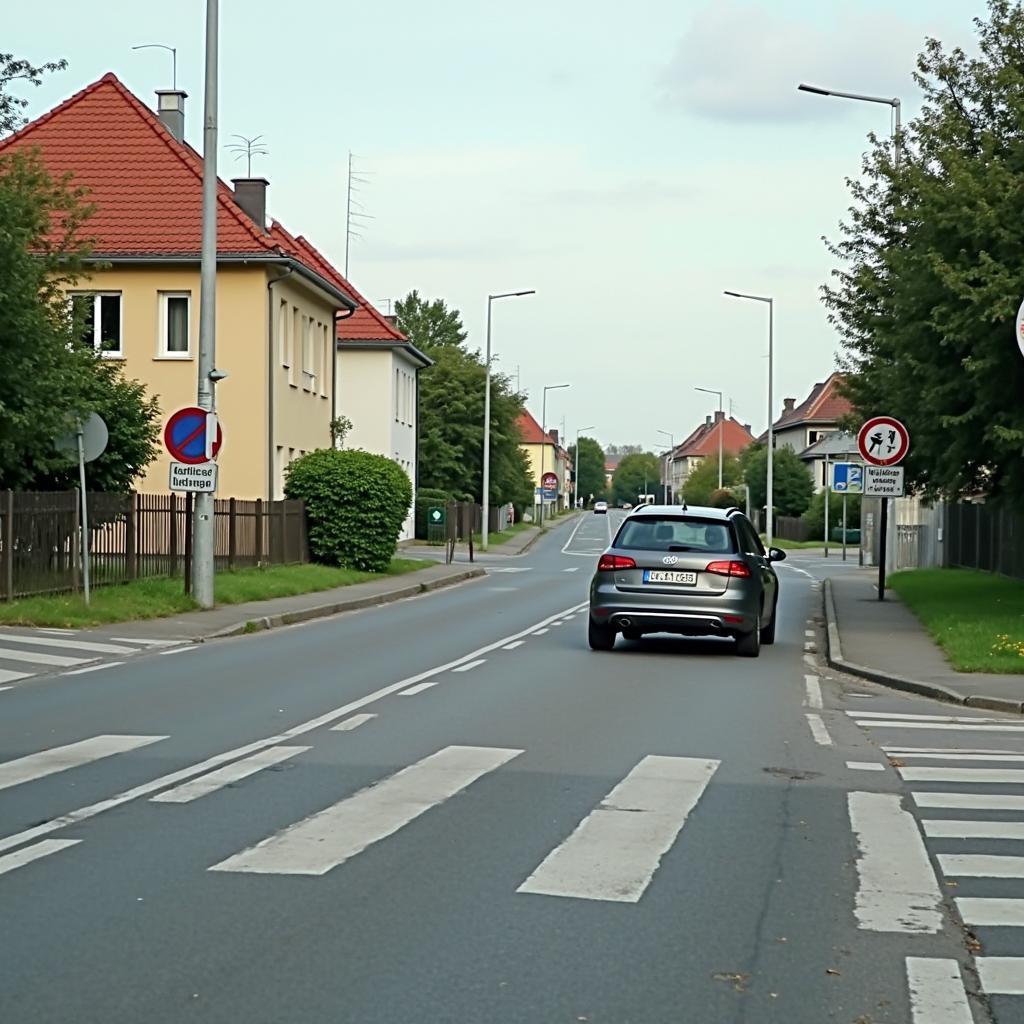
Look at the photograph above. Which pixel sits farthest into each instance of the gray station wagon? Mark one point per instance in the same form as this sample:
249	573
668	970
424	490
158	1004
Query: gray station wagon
691	571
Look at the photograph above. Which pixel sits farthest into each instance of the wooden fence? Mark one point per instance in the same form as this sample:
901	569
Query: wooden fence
132	536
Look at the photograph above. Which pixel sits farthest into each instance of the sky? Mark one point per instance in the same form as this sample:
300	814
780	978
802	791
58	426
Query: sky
628	161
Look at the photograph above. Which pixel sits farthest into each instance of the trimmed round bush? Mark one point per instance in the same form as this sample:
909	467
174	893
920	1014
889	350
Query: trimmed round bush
356	503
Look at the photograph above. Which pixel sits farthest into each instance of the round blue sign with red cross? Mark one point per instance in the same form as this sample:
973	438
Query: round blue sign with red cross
185	436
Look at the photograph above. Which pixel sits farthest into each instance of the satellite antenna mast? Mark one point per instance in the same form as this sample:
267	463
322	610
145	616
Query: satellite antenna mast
248	148
354	210
174	58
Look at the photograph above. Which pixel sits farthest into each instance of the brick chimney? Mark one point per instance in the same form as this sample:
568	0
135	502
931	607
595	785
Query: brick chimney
553	434
251	196
719	415
170	108
788	404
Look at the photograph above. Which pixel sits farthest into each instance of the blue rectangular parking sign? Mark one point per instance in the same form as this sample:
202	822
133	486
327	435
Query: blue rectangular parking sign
848	478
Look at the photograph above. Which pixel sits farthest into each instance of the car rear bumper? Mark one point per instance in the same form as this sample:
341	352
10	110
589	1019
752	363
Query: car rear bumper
731	613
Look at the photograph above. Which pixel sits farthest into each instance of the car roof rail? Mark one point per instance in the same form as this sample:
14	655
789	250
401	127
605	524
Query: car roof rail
733	508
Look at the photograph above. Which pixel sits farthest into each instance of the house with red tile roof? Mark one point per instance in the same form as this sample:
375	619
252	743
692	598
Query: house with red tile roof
703	443
377	375
277	306
802	425
546	455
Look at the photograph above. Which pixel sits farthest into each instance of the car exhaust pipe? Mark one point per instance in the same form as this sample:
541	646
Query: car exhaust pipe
625	623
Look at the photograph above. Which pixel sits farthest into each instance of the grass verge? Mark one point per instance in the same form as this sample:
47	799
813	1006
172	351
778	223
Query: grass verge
156	598
494	539
800	545
977	618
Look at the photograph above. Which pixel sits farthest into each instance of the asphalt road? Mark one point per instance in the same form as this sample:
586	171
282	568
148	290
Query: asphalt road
450	810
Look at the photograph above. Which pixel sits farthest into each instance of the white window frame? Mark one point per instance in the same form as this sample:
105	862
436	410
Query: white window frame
282	333
97	297
162	350
308	355
295	330
326	354
396	395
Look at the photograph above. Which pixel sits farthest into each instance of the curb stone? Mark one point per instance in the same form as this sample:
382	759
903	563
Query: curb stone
265	622
834	657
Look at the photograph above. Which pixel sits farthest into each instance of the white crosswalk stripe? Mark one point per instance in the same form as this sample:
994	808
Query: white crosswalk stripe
975	782
614	852
45	650
71	755
28	854
332	836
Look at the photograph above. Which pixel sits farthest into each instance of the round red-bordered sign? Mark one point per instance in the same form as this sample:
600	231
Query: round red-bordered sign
883	441
185	436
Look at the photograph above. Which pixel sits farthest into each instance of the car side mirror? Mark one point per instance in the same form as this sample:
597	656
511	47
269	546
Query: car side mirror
776	555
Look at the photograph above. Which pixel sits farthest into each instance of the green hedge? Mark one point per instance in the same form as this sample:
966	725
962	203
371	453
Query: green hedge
356	504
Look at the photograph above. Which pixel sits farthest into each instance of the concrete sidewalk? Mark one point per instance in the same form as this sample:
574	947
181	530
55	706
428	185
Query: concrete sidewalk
884	641
252	616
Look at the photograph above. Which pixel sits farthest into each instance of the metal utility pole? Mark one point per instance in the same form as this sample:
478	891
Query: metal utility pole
721	429
174	58
889	101
576	466
668	456
770	495
485	498
202	520
544	439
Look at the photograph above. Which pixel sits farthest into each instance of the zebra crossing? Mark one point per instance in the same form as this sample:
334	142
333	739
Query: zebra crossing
612	855
31	653
969	801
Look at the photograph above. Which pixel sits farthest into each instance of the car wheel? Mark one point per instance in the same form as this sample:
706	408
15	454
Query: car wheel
632	634
600	638
768	632
749	644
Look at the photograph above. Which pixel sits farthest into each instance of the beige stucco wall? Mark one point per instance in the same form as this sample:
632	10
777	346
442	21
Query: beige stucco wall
301	416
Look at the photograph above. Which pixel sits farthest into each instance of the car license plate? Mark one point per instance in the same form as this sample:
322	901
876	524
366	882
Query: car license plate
686	579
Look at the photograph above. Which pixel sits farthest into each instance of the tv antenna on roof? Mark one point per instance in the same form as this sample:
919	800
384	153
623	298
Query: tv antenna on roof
248	148
353	208
174	58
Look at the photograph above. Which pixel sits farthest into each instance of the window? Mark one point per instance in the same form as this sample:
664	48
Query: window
675	533
174	325
100	316
282	333
749	540
308	355
398	374
294	334
327	355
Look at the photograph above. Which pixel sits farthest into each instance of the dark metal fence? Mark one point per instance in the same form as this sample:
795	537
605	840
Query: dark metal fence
132	536
985	537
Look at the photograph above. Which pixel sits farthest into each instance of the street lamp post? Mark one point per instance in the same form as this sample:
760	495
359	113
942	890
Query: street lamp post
721	429
770	491
672	439
544	439
486	497
889	101
576	465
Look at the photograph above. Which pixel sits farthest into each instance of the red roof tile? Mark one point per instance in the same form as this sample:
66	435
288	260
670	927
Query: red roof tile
146	186
530	430
823	405
704	440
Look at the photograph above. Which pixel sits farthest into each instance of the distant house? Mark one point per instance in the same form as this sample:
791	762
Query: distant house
703	443
546	455
801	426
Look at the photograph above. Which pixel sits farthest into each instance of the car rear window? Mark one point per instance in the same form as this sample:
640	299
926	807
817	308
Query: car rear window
675	533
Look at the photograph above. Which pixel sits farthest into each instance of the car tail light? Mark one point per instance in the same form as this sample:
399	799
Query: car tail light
734	567
609	563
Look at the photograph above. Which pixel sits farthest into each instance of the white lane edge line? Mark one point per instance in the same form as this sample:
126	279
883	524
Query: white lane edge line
224	776
813	691
818	730
127	795
92	668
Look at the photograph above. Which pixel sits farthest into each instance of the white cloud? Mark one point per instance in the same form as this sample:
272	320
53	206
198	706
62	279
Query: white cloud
741	62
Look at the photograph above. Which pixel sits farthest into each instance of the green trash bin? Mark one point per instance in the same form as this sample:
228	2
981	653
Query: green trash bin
852	536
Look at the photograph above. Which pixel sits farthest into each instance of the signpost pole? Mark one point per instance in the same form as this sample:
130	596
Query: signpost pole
202	519
882	530
828	495
80	433
845	497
